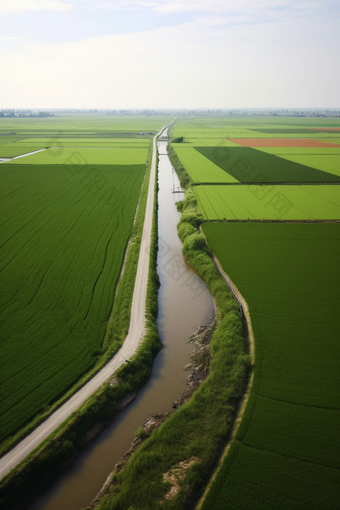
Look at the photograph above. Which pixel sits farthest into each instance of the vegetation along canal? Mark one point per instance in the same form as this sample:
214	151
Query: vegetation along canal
184	305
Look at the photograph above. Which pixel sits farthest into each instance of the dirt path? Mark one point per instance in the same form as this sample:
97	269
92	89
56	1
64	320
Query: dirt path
245	312
4	160
132	341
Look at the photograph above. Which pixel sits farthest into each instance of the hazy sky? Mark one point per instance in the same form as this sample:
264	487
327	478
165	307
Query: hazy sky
170	54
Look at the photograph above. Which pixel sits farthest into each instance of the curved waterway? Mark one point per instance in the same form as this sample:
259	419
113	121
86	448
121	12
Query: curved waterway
184	305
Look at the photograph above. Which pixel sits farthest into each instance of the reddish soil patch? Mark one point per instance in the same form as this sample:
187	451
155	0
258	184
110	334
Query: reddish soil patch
281	142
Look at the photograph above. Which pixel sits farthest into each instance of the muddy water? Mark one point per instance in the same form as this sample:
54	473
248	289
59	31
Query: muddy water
184	304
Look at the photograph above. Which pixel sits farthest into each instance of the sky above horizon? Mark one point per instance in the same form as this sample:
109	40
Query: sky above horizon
169	54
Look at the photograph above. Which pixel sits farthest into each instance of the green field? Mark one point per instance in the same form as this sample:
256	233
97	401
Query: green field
313	202
10	151
326	163
199	167
90	141
206	142
250	165
16	146
83	124
308	151
63	238
287	450
84	156
247	127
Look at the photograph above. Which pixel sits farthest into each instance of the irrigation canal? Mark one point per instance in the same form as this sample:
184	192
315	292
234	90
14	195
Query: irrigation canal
184	305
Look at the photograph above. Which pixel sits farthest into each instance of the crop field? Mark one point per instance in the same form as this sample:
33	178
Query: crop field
16	147
9	151
332	139
206	142
59	141
297	131
329	163
85	156
63	238
83	124
279	151
200	168
269	202
66	217
248	165
286	453
283	142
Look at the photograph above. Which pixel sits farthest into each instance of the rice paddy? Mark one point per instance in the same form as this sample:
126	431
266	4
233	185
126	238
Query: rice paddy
286	452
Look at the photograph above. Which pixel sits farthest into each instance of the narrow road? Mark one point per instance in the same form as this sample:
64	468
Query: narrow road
4	160
136	332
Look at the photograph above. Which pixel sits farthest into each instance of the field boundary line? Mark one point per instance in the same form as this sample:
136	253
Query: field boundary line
245	315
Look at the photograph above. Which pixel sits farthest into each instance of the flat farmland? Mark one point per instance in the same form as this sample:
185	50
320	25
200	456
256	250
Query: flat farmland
200	168
10	151
248	165
58	141
283	142
310	151
315	202
85	156
63	238
287	450
205	142
15	147
83	124
329	163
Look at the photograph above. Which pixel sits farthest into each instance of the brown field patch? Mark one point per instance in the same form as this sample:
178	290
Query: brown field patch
281	142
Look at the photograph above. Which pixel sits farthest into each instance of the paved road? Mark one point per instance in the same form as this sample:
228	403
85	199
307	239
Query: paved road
136	332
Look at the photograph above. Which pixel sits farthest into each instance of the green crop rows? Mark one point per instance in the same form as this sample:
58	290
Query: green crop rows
297	151
10	151
250	165
84	156
287	452
200	168
83	124
63	237
327	162
269	202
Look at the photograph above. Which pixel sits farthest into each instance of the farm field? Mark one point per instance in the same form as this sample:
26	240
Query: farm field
286	452
8	151
247	127
56	140
200	168
205	142
309	202
16	146
84	156
310	151
83	124
283	142
63	239
66	218
249	165
326	163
